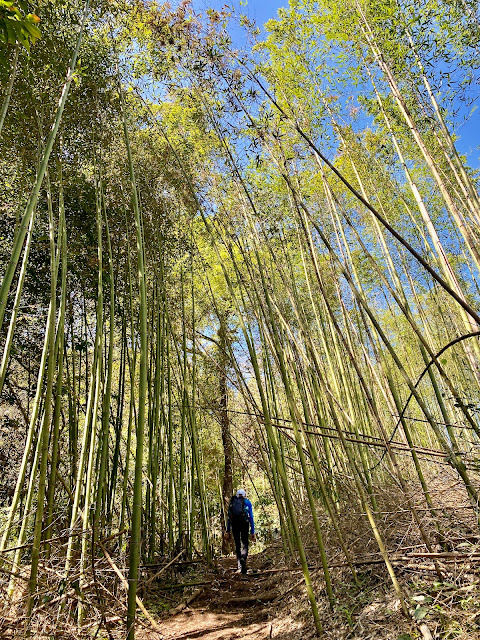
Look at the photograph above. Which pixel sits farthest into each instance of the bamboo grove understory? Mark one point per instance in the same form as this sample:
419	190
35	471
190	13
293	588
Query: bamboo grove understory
225	265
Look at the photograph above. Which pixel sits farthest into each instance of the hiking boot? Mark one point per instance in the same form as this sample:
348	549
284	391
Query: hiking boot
243	566
239	566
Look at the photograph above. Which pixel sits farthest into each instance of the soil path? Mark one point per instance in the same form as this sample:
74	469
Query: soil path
231	606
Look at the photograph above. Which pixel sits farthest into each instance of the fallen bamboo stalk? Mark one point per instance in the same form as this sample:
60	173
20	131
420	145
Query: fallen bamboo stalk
124	582
188	634
295	586
151	565
468	587
107	621
425	631
374	442
184	585
14	574
114	535
156	575
422	509
267	596
184	605
68	594
445	554
57	539
399	560
418	567
262	572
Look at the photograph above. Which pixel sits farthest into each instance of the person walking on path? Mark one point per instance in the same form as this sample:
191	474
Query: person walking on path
241	524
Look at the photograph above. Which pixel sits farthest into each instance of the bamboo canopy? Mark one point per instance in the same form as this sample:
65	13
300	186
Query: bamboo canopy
225	267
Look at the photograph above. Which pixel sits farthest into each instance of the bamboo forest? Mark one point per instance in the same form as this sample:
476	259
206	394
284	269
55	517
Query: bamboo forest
240	283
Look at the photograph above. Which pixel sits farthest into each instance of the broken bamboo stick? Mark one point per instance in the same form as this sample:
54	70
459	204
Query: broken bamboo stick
124	582
155	575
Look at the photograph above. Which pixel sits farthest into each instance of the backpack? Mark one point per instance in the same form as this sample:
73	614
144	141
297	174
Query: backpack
237	511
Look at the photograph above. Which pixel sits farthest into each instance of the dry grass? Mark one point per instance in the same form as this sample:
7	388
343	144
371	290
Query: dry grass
364	611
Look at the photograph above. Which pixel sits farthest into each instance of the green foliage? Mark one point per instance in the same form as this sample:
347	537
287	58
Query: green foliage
17	24
327	320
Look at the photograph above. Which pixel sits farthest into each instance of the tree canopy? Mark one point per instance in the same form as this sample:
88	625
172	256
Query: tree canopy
228	266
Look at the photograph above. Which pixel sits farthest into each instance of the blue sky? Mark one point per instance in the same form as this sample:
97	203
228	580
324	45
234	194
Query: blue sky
259	10
263	10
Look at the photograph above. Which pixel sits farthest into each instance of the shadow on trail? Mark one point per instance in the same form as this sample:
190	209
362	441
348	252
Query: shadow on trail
232	607
199	623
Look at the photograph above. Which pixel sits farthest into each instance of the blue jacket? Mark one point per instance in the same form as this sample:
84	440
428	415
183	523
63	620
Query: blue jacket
249	510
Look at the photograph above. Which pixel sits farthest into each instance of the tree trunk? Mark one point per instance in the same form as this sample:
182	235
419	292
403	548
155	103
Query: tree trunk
227	487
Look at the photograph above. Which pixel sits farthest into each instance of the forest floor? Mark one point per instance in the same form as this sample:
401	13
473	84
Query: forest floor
186	599
233	606
271	603
189	600
268	603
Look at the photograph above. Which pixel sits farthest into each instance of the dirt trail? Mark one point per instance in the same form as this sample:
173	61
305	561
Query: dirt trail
232	606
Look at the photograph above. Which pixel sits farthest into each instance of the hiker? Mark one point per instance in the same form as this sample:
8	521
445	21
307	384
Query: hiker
240	521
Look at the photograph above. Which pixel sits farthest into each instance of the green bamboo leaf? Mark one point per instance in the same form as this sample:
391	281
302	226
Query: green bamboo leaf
420	613
32	30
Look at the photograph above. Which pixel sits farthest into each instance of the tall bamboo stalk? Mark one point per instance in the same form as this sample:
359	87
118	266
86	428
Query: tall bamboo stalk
32	201
135	536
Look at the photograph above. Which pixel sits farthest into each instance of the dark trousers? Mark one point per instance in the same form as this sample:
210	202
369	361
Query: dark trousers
240	535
